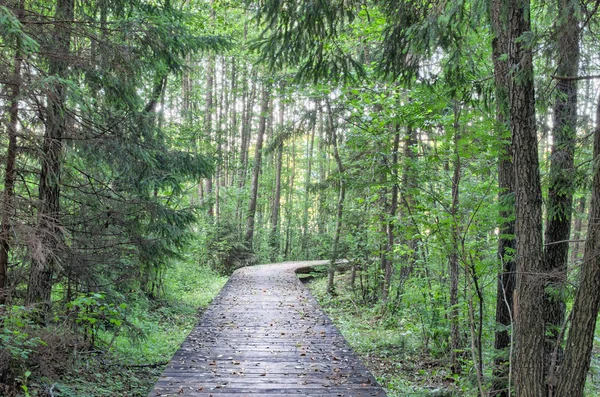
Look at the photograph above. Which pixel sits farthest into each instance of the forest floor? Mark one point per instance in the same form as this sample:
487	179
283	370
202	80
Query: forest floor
133	363
391	349
386	348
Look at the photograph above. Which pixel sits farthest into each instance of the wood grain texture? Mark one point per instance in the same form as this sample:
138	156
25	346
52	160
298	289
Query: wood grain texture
264	334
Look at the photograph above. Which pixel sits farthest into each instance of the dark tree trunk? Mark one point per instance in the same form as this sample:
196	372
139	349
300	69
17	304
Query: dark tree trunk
562	174
409	183
391	221
44	262
264	108
529	325
7	208
506	188
455	240
578	349
340	204
289	201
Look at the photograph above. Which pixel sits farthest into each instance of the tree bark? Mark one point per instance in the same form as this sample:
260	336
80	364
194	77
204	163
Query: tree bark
309	159
340	203
7	208
391	221
577	226
264	108
578	348
409	183
529	325
208	125
506	191
455	241
562	174
274	238
45	261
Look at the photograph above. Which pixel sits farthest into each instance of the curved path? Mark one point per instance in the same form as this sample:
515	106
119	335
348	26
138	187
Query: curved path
265	335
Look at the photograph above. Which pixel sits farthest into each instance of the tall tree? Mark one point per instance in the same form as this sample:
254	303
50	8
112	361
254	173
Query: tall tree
506	176
335	249
10	172
256	169
562	171
529	325
45	260
578	349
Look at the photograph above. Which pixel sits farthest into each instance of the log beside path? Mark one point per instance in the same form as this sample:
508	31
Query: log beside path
265	335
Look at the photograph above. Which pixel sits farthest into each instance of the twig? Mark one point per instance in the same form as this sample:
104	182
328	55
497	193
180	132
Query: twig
573	78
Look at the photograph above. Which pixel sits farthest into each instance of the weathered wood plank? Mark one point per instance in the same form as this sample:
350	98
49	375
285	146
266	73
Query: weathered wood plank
264	334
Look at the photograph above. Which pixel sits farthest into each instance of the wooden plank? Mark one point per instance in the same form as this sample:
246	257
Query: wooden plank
264	334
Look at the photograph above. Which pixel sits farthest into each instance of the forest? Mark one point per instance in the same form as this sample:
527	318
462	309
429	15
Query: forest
447	150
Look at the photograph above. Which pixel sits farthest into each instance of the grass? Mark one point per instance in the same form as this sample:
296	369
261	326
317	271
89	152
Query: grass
388	347
391	346
135	360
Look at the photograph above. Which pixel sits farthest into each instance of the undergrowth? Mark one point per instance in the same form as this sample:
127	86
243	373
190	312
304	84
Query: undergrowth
392	349
58	363
385	344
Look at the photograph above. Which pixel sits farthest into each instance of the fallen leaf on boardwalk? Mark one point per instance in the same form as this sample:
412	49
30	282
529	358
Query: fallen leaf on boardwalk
180	390
264	374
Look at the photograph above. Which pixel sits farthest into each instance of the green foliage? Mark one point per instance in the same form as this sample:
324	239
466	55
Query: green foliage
11	30
227	251
17	342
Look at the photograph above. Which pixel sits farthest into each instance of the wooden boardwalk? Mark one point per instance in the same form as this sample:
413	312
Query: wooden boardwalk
265	335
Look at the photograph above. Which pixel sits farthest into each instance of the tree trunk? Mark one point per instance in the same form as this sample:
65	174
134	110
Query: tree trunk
44	262
409	183
529	325
455	241
340	203
7	208
290	201
264	108
562	174
578	349
506	190
577	226
208	125
309	159
274	238
391	221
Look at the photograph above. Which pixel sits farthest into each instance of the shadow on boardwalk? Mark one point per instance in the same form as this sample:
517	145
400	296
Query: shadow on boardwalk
264	334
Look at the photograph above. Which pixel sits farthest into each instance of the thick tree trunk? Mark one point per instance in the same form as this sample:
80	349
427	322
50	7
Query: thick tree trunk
562	174
44	262
506	188
578	349
264	108
7	208
529	325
